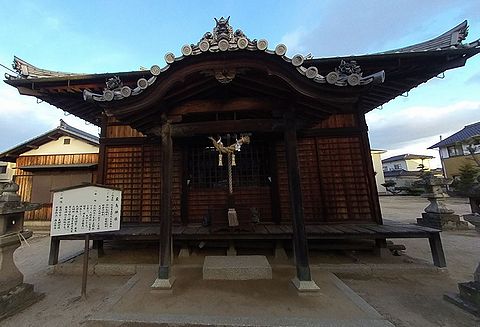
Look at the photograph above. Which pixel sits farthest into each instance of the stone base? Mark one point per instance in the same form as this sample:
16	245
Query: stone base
462	304
468	298
18	299
163	284
243	267
305	285
473	219
442	221
184	252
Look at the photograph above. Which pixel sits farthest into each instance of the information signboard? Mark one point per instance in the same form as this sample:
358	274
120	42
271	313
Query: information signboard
85	209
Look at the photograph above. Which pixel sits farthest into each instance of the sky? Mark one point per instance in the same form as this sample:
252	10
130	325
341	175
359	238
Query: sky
115	36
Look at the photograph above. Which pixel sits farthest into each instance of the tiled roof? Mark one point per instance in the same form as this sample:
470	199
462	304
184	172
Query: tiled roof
460	136
406	156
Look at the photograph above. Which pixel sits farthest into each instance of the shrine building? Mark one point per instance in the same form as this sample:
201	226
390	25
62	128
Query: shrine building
233	140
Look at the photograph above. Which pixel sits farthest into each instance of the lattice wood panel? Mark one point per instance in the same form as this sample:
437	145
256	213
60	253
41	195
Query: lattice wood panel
136	171
341	166
208	187
333	180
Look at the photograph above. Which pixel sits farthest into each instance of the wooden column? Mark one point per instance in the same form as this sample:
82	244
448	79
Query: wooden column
101	172
368	164
300	246
102	153
166	202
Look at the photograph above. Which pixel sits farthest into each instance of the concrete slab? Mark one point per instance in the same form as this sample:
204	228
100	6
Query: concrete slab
305	285
197	302
243	267
163	283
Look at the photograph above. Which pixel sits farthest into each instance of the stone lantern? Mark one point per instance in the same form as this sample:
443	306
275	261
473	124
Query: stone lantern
15	295
436	214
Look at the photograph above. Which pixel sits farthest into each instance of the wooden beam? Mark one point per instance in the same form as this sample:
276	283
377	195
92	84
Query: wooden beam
166	202
224	126
331	132
238	104
27	91
300	246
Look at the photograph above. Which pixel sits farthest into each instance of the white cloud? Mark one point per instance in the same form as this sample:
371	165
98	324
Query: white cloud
293	41
414	129
392	128
22	118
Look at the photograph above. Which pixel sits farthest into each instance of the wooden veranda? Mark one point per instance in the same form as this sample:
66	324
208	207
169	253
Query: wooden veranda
273	232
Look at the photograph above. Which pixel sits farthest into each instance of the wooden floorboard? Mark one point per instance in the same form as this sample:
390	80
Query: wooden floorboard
259	231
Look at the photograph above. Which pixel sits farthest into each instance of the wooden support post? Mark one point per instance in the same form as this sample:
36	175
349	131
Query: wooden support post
54	250
274	189
380	246
102	152
437	250
185	186
300	246
368	167
97	247
85	266
166	206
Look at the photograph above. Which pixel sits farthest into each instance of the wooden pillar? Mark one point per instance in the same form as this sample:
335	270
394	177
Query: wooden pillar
368	164
185	177
165	203
102	153
300	246
274	189
101	171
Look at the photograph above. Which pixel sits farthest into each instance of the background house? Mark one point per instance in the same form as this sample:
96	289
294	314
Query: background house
408	162
64	156
405	169
377	167
453	150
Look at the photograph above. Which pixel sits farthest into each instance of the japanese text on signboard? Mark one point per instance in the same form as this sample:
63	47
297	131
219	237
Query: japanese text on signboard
87	209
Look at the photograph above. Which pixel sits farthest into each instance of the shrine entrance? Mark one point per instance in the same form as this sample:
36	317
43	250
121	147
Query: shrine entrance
207	185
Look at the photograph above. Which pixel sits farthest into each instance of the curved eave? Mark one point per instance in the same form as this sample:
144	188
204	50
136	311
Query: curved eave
269	65
403	71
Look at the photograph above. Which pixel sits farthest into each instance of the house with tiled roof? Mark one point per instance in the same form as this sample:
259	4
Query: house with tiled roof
407	162
62	157
454	151
405	169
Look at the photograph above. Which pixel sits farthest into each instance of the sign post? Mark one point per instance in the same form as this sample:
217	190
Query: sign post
85	266
85	209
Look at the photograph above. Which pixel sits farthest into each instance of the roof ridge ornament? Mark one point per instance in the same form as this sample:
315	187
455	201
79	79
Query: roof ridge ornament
223	39
350	73
27	70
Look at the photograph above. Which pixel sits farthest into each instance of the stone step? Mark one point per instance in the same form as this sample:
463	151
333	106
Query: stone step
242	267
470	291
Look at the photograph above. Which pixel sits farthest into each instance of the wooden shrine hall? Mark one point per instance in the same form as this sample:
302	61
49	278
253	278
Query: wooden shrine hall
234	140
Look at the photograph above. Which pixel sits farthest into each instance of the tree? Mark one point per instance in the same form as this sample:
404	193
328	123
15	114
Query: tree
467	182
